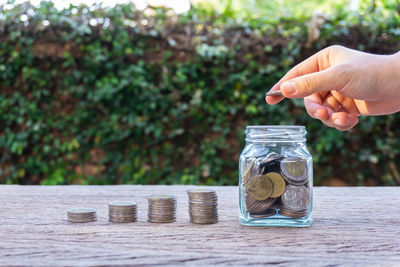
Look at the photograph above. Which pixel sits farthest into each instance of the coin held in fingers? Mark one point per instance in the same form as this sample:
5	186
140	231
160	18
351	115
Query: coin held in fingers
274	93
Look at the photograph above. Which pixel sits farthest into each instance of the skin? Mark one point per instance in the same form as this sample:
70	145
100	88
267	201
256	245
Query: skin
339	84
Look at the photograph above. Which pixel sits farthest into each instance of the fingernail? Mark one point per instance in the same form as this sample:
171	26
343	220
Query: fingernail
288	87
337	122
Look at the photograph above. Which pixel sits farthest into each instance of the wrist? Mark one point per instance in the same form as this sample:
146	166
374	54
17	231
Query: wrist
394	85
397	72
393	71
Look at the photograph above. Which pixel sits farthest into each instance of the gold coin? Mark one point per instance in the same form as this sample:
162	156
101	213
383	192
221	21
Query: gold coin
279	184
260	187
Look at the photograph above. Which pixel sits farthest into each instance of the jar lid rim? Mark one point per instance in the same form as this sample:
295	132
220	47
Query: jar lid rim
275	126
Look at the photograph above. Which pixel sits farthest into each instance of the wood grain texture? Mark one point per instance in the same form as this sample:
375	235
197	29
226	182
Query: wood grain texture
352	227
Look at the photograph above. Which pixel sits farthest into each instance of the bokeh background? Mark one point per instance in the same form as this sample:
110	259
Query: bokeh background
118	94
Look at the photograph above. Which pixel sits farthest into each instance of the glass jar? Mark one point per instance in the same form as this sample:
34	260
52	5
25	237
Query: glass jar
275	177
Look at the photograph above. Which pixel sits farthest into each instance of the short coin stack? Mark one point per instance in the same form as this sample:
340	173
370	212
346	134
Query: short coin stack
162	208
122	211
203	206
81	215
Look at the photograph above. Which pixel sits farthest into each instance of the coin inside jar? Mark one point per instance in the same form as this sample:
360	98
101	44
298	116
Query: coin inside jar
271	163
256	206
260	187
278	182
294	170
294	214
267	213
248	172
296	198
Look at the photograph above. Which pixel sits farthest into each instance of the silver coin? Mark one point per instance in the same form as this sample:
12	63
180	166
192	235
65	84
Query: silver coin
200	221
81	216
201	191
296	198
293	214
122	203
81	211
161	198
274	93
203	212
270	163
271	157
157	221
82	220
164	209
294	170
203	206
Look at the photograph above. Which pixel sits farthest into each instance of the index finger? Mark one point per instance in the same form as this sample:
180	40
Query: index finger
312	64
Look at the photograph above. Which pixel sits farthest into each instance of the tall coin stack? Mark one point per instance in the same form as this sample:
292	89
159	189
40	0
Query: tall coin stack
122	211
162	208
203	206
81	215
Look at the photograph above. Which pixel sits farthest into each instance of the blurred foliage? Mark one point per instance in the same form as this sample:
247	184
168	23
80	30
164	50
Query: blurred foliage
94	95
270	10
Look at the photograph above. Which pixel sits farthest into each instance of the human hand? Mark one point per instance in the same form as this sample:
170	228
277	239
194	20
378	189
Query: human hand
339	84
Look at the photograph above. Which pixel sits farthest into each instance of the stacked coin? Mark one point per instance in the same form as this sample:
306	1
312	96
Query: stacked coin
255	206
295	201
81	215
276	177
203	206
162	208
294	170
122	211
294	214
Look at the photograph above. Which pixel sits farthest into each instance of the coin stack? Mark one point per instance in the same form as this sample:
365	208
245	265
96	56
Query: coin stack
203	206
122	211
162	208
276	177
81	215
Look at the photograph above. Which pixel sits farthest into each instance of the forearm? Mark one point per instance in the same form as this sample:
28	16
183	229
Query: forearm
397	72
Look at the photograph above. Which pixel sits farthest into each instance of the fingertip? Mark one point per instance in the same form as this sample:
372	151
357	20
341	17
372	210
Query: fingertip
352	118
344	119
272	100
346	128
322	114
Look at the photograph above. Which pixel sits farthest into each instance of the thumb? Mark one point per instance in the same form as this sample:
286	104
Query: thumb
302	86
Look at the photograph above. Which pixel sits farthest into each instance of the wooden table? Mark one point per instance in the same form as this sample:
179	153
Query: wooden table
352	226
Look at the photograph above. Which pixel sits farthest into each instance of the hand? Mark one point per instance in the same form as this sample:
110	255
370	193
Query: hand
339	84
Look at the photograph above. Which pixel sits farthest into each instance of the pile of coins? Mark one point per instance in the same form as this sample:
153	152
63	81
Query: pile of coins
274	184
162	208
81	215
203	206
122	211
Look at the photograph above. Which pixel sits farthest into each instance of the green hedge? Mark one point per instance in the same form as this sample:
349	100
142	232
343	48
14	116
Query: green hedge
93	95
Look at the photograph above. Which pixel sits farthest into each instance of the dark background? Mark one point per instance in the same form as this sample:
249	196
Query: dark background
92	95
